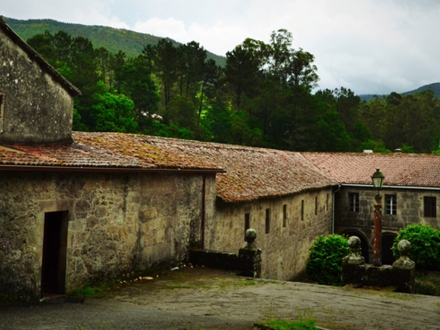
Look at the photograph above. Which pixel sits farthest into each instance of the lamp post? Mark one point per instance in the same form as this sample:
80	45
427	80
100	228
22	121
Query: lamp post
377	178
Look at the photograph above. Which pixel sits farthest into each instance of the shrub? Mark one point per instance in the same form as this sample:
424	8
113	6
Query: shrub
425	246
325	259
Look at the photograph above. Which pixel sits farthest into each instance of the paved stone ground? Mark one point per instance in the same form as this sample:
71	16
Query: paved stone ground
196	298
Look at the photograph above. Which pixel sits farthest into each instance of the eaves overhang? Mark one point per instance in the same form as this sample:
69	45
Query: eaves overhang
97	169
370	186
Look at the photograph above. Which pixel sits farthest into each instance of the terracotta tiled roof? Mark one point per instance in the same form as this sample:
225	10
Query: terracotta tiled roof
251	173
399	169
105	150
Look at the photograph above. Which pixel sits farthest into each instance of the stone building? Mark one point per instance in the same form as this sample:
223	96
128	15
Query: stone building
280	194
76	209
79	207
410	195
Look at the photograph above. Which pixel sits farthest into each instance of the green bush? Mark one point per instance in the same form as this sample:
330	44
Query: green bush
325	259
425	246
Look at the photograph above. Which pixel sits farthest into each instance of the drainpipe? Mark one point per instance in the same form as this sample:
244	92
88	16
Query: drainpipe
333	208
203	213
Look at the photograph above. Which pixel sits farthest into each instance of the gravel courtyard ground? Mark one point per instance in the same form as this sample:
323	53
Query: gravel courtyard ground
200	298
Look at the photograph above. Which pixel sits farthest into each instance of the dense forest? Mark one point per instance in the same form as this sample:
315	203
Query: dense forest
264	96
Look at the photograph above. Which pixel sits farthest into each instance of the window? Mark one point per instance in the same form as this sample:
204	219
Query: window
316	205
2	110
302	209
353	202
390	204
284	215
267	221
247	223
326	202
430	207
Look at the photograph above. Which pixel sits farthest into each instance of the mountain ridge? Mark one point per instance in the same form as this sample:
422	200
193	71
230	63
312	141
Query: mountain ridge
435	87
113	39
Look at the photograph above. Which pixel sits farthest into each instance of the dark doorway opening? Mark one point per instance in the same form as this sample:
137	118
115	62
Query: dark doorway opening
53	277
387	253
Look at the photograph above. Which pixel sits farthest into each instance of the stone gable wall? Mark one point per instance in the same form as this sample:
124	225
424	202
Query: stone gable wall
36	109
118	224
284	249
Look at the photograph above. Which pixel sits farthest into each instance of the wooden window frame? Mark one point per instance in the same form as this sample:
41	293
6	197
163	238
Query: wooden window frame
391	204
353	202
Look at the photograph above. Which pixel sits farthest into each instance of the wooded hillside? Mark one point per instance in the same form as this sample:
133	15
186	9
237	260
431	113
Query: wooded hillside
265	95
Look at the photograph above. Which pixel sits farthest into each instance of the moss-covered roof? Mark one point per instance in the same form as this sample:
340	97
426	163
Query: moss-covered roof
399	169
243	173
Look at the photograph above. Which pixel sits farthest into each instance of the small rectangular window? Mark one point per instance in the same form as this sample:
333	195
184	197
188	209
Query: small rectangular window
267	221
390	204
302	209
247	223
2	110
353	202
430	207
326	202
284	215
316	205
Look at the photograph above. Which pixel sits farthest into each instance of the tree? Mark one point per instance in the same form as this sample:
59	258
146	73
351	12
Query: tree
113	113
242	71
166	62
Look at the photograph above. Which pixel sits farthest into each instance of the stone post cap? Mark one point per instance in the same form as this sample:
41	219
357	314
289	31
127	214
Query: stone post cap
404	262
354	257
354	242
404	247
251	235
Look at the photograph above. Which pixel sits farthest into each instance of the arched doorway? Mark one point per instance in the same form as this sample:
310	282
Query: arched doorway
387	243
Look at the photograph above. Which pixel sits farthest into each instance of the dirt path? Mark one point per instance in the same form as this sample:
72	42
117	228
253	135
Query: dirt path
211	299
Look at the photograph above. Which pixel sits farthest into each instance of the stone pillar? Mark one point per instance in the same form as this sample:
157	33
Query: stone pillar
404	268
377	256
353	265
250	256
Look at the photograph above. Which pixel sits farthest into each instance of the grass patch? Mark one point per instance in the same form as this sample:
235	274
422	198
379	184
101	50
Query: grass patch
276	324
93	291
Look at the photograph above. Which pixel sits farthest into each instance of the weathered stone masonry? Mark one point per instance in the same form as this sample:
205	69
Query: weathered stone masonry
36	108
284	248
117	224
409	210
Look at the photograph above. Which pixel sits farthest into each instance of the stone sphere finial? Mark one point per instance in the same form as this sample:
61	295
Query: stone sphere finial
354	243
354	257
251	235
404	247
404	262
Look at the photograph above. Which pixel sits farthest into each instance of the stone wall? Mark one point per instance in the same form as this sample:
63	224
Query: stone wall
35	109
118	224
284	248
409	211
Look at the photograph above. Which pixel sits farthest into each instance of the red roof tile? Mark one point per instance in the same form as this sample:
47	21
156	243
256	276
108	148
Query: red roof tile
109	150
251	173
399	169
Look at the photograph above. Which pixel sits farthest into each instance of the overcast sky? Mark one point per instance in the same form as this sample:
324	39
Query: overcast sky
369	46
